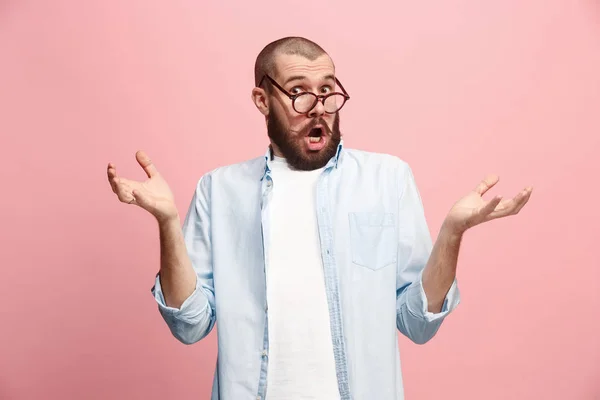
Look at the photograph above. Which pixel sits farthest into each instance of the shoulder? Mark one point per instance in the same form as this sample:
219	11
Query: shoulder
369	160
251	169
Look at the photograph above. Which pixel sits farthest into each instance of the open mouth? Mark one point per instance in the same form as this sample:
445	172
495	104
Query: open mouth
315	134
316	138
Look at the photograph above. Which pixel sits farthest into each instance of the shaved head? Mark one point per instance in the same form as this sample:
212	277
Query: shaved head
265	62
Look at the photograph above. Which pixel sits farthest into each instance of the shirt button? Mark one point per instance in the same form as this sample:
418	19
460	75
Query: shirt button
264	353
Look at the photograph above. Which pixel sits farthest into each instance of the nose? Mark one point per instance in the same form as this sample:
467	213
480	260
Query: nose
318	110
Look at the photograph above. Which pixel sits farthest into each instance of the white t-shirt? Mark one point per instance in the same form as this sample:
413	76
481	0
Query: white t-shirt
301	362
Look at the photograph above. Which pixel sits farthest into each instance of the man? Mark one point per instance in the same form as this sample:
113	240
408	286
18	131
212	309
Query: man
309	257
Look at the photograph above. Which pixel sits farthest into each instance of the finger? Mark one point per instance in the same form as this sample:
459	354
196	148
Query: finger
503	211
140	199
512	206
123	189
525	195
145	162
111	172
486	184
126	182
490	206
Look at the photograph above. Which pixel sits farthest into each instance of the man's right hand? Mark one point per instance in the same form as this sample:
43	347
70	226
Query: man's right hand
153	195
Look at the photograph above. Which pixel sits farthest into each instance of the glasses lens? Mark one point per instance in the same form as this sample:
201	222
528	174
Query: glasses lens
334	103
304	102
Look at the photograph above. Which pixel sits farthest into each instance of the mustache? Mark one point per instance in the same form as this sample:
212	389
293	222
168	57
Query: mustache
315	122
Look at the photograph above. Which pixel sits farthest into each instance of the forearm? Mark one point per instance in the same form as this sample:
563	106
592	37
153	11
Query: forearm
440	271
177	276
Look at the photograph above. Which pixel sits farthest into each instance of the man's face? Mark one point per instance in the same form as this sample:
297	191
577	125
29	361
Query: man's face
306	141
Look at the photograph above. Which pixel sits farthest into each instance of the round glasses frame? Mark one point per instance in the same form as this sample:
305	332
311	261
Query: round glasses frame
317	98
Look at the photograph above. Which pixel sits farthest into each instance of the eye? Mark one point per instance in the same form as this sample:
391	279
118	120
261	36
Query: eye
326	89
296	90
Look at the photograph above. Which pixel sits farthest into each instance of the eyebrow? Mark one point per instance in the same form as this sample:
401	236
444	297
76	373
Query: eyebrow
302	77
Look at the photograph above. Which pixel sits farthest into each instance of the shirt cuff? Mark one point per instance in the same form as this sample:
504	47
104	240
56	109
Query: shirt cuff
417	301
191	309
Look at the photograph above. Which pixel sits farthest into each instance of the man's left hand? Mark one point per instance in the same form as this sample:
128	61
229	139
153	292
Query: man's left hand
473	210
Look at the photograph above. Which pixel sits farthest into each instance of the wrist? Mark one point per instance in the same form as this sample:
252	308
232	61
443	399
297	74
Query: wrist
451	230
169	222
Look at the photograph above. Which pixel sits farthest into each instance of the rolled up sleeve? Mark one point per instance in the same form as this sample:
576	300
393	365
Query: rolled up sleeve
416	301
191	310
196	317
414	248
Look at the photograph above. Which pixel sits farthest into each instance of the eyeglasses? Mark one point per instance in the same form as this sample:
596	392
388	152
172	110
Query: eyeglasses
304	102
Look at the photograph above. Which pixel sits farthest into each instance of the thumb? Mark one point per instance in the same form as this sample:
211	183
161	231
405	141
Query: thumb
145	162
486	184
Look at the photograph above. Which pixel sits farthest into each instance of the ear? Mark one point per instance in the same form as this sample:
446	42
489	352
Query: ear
261	101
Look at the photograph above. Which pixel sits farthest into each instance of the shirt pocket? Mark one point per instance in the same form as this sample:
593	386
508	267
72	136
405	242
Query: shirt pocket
373	239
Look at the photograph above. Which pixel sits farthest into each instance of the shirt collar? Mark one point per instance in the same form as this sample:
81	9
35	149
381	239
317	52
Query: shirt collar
334	162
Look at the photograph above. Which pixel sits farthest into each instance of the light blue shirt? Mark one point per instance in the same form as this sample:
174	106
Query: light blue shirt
375	243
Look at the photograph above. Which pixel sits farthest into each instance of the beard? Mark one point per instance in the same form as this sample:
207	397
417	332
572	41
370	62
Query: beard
293	148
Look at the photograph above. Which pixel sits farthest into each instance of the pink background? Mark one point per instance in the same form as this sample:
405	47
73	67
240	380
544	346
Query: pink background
456	88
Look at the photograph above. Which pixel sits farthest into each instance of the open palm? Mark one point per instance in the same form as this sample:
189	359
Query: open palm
473	210
153	195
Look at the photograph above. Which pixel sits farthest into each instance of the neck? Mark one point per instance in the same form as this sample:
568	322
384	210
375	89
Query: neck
275	152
